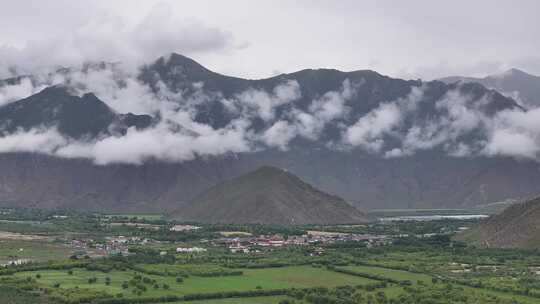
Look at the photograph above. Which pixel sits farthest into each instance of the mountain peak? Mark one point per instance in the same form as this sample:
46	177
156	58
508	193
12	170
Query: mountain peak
513	72
269	195
269	170
178	60
74	116
58	89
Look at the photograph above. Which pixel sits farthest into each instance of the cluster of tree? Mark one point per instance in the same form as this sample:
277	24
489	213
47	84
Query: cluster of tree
198	270
43	266
219	273
15	295
480	284
339	295
235	294
136	219
194	297
369	276
260	265
40	215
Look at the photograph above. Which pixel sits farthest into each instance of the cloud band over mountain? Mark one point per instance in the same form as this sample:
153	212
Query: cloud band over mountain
460	123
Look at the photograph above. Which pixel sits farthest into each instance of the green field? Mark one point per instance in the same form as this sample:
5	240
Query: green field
426	280
252	279
32	250
409	270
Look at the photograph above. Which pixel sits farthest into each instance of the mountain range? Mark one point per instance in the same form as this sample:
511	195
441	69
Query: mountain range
324	149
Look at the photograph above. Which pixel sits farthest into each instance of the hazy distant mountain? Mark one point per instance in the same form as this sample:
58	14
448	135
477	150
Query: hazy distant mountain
268	195
515	83
518	226
429	178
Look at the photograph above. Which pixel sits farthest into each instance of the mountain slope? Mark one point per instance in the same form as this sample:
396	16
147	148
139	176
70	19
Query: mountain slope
73	116
425	179
513	82
268	195
422	181
518	226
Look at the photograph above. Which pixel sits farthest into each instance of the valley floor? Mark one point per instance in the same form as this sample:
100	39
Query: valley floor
417	263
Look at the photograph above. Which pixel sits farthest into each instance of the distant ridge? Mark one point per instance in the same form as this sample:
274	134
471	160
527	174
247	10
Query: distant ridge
268	195
515	83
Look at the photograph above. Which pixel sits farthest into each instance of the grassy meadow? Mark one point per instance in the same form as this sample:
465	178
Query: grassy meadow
251	279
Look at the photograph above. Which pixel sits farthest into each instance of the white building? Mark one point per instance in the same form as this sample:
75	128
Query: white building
190	250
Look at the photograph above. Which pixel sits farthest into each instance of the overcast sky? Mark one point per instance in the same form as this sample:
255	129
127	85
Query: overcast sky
257	39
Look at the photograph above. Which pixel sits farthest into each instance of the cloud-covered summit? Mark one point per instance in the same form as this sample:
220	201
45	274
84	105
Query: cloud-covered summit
188	117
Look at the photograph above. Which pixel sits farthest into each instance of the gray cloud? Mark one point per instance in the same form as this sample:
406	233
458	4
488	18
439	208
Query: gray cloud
25	88
410	38
108	38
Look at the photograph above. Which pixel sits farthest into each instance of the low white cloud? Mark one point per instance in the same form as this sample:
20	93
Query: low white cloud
135	147
329	107
158	143
394	153
263	103
279	135
36	141
368	131
457	124
511	143
514	133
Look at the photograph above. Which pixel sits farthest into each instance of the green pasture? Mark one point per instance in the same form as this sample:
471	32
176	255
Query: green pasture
426	280
33	250
252	279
